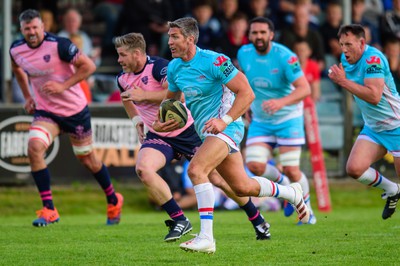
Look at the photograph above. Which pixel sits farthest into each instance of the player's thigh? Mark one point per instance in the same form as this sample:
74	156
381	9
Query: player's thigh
232	170
363	154
209	155
150	159
42	134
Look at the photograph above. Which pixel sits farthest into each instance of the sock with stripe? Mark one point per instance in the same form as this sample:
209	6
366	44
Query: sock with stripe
271	189
205	204
273	174
253	213
103	178
373	178
173	210
42	180
305	186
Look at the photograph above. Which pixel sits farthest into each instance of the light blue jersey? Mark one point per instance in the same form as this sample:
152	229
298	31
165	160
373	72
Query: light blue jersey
373	64
270	77
202	81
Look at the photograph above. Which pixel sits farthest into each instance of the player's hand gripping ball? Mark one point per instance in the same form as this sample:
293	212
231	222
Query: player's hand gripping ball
173	110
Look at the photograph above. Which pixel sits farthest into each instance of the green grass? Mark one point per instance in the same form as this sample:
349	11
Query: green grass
352	234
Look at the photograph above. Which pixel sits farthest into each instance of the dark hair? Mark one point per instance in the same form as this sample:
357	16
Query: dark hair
263	20
355	29
188	27
28	15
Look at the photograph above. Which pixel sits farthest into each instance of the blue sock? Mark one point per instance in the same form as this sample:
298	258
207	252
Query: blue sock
103	178
253	213
173	210
42	180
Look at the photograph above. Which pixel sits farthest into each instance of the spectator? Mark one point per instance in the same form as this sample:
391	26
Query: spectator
288	7
49	21
209	27
310	67
358	17
148	18
72	22
390	23
227	9
300	29
330	28
392	53
235	37
108	11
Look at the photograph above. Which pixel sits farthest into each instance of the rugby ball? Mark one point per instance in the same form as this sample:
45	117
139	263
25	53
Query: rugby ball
173	110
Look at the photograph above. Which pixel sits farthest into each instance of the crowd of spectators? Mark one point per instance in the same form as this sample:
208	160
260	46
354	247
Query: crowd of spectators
223	24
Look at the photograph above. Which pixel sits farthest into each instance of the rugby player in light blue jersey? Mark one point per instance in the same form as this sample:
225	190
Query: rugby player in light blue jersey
210	83
279	84
364	72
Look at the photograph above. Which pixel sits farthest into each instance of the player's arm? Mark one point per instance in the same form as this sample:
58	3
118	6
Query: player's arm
137	121
22	79
137	94
370	92
23	82
302	90
244	95
84	68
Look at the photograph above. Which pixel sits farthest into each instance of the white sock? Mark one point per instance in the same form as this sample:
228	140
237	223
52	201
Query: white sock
205	204
373	178
273	174
306	190
271	189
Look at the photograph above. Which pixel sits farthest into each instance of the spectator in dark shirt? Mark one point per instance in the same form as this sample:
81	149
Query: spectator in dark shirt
390	23
300	29
234	38
331	27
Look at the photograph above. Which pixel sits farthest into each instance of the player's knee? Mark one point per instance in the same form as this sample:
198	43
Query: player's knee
39	139
144	172
256	159
241	191
354	170
36	149
256	168
196	173
292	172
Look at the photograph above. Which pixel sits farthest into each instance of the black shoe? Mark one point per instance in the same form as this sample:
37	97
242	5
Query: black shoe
390	206
264	233
177	229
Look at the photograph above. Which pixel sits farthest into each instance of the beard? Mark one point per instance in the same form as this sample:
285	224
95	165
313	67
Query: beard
262	49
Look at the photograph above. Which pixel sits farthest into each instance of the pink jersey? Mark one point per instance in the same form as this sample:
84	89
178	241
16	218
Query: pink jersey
51	60
150	78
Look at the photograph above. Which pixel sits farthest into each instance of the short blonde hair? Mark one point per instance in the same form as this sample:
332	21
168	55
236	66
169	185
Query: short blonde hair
131	40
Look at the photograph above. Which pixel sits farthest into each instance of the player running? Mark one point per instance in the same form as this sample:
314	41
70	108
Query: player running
276	77
143	86
53	66
364	71
210	83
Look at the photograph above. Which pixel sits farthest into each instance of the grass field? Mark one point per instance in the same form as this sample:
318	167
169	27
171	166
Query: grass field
352	234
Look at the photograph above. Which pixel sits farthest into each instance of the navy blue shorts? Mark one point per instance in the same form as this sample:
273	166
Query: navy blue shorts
185	144
77	126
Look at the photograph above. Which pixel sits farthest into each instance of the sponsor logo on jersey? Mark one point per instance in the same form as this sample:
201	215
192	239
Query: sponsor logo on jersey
374	65
220	60
72	49
145	80
294	64
46	58
225	65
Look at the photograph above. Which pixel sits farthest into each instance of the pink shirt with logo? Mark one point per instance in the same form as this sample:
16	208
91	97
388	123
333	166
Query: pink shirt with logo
51	60
150	78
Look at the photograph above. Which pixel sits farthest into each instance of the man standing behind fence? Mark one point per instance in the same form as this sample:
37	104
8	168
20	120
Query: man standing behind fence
54	67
